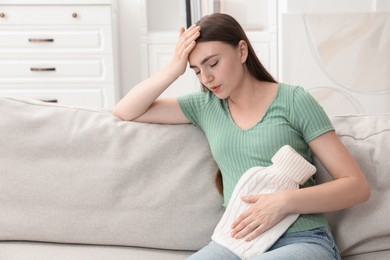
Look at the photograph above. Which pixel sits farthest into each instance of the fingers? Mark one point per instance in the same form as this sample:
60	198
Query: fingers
255	233
248	224
246	213
187	39
181	31
184	46
243	216
250	198
242	226
250	228
263	214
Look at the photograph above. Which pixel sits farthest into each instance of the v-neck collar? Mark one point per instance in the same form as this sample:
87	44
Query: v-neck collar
226	105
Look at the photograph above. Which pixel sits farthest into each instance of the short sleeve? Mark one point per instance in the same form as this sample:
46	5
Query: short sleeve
309	118
193	105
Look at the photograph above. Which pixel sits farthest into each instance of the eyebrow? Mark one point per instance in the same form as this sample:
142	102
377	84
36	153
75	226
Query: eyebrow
204	60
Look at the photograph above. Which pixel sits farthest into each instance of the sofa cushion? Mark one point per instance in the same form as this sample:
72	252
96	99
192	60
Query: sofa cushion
20	250
376	255
75	175
364	228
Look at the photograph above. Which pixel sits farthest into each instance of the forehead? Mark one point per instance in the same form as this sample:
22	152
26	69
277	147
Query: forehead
205	49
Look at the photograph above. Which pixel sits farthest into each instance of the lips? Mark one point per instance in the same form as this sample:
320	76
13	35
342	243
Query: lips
215	88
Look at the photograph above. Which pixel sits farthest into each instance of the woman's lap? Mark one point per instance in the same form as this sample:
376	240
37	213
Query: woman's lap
307	245
213	251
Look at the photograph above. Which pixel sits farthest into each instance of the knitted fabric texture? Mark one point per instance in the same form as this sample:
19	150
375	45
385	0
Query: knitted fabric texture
289	169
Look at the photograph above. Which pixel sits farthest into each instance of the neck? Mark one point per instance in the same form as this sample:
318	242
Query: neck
249	93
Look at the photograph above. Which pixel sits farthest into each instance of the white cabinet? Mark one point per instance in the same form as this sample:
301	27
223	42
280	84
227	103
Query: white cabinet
159	36
58	51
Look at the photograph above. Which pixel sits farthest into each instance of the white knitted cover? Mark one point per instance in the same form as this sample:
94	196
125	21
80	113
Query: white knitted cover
289	169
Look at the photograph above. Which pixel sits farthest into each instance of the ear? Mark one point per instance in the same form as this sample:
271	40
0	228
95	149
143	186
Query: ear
243	50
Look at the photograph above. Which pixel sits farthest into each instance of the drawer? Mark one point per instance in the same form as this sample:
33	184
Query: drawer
56	69
55	15
77	97
63	39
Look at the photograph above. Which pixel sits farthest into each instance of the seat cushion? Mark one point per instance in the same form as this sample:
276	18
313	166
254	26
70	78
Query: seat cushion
50	251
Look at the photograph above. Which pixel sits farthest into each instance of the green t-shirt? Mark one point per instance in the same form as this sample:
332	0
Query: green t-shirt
293	118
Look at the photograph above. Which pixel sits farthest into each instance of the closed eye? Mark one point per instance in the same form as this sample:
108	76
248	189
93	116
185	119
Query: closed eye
214	64
197	72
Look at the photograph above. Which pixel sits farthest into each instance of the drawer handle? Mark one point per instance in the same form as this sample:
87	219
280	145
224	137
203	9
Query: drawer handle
2	15
43	69
40	40
49	100
74	15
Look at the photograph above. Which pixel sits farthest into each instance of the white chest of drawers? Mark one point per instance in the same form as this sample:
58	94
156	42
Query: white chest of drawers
58	51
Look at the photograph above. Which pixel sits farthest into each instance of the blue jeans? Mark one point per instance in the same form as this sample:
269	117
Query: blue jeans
305	245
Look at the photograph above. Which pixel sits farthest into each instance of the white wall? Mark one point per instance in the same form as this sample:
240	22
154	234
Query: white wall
165	15
161	18
354	76
302	6
129	22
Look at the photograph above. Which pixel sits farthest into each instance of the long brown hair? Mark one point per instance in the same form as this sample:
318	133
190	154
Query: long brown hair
224	28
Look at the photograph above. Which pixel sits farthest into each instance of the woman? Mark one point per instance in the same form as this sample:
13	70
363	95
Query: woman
247	116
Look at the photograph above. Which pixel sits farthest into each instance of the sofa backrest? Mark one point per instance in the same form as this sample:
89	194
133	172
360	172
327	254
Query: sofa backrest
73	175
365	227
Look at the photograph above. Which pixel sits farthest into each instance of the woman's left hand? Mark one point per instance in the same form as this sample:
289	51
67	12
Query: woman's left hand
266	211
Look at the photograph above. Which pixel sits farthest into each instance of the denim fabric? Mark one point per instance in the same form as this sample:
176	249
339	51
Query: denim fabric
305	245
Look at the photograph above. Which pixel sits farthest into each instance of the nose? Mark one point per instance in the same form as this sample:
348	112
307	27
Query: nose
206	78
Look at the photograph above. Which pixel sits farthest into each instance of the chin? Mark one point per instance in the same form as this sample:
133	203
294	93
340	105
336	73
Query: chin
221	96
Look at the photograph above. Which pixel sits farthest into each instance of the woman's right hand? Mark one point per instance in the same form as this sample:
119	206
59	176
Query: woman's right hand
184	46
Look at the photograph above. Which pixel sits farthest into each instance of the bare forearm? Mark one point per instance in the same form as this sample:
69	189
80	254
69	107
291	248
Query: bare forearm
348	188
331	196
141	97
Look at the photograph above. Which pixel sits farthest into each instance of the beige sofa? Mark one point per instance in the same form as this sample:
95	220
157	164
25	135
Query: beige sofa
78	183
